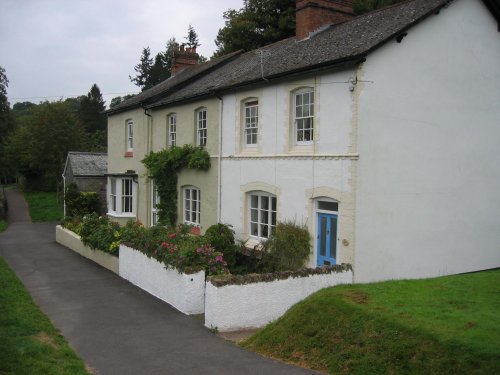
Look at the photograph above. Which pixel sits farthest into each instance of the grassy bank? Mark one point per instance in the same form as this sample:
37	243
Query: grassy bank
29	343
447	325
3	225
44	206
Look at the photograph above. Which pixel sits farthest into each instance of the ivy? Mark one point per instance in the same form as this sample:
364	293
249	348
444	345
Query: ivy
163	167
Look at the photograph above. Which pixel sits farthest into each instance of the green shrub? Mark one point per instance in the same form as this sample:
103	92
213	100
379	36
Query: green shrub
221	237
100	233
288	247
174	247
73	224
81	203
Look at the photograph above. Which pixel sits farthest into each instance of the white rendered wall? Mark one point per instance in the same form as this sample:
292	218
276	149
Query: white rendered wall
294	174
184	292
74	242
428	192
234	307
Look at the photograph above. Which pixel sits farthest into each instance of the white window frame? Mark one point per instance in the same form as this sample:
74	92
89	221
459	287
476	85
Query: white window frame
172	129
192	205
155	200
112	194
261	220
250	122
201	127
130	135
123	196
303	116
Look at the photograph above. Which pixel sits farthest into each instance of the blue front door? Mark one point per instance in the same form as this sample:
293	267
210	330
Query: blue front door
327	239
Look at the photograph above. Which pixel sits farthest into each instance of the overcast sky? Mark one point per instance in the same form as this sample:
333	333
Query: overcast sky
54	49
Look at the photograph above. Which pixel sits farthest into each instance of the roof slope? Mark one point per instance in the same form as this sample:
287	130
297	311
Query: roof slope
171	83
87	163
346	42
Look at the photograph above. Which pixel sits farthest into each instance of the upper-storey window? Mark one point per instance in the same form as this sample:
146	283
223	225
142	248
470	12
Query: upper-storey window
130	135
201	127
251	125
304	116
172	129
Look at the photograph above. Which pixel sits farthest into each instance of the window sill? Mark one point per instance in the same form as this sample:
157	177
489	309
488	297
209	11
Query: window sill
129	154
127	215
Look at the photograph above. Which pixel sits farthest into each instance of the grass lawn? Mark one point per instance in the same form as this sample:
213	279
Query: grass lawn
44	206
29	343
446	325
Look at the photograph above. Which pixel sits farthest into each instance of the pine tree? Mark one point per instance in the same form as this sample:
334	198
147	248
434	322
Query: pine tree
91	110
143	69
192	38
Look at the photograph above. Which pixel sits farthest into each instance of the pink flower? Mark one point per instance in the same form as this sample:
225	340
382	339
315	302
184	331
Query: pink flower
164	244
171	236
219	259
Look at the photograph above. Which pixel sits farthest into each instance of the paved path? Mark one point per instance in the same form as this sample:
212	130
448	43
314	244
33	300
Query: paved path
115	327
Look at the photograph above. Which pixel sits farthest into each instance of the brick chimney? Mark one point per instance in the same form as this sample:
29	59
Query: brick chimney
312	14
183	57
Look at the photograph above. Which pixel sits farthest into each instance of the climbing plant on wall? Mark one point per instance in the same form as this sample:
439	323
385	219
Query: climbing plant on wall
163	167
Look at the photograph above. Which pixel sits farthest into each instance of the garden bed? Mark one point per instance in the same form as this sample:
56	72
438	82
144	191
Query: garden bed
73	241
243	302
185	292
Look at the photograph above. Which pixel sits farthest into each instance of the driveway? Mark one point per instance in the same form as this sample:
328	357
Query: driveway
115	327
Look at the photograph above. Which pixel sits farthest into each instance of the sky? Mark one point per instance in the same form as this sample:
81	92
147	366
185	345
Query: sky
55	49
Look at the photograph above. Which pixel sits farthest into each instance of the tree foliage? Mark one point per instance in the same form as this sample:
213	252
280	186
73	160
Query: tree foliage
91	110
151	71
192	38
262	22
143	69
38	147
258	23
7	125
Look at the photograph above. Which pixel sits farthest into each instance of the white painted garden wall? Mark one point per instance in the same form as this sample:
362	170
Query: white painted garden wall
234	307
429	177
73	241
184	292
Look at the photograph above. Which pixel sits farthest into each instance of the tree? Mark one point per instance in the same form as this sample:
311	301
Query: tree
262	22
7	125
153	71
91	110
192	38
6	120
143	69
38	147
258	23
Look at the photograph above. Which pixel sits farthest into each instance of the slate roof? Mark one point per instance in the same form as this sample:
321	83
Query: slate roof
171	83
345	43
87	164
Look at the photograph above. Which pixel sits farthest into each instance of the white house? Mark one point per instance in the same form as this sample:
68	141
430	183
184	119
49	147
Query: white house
384	146
377	132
